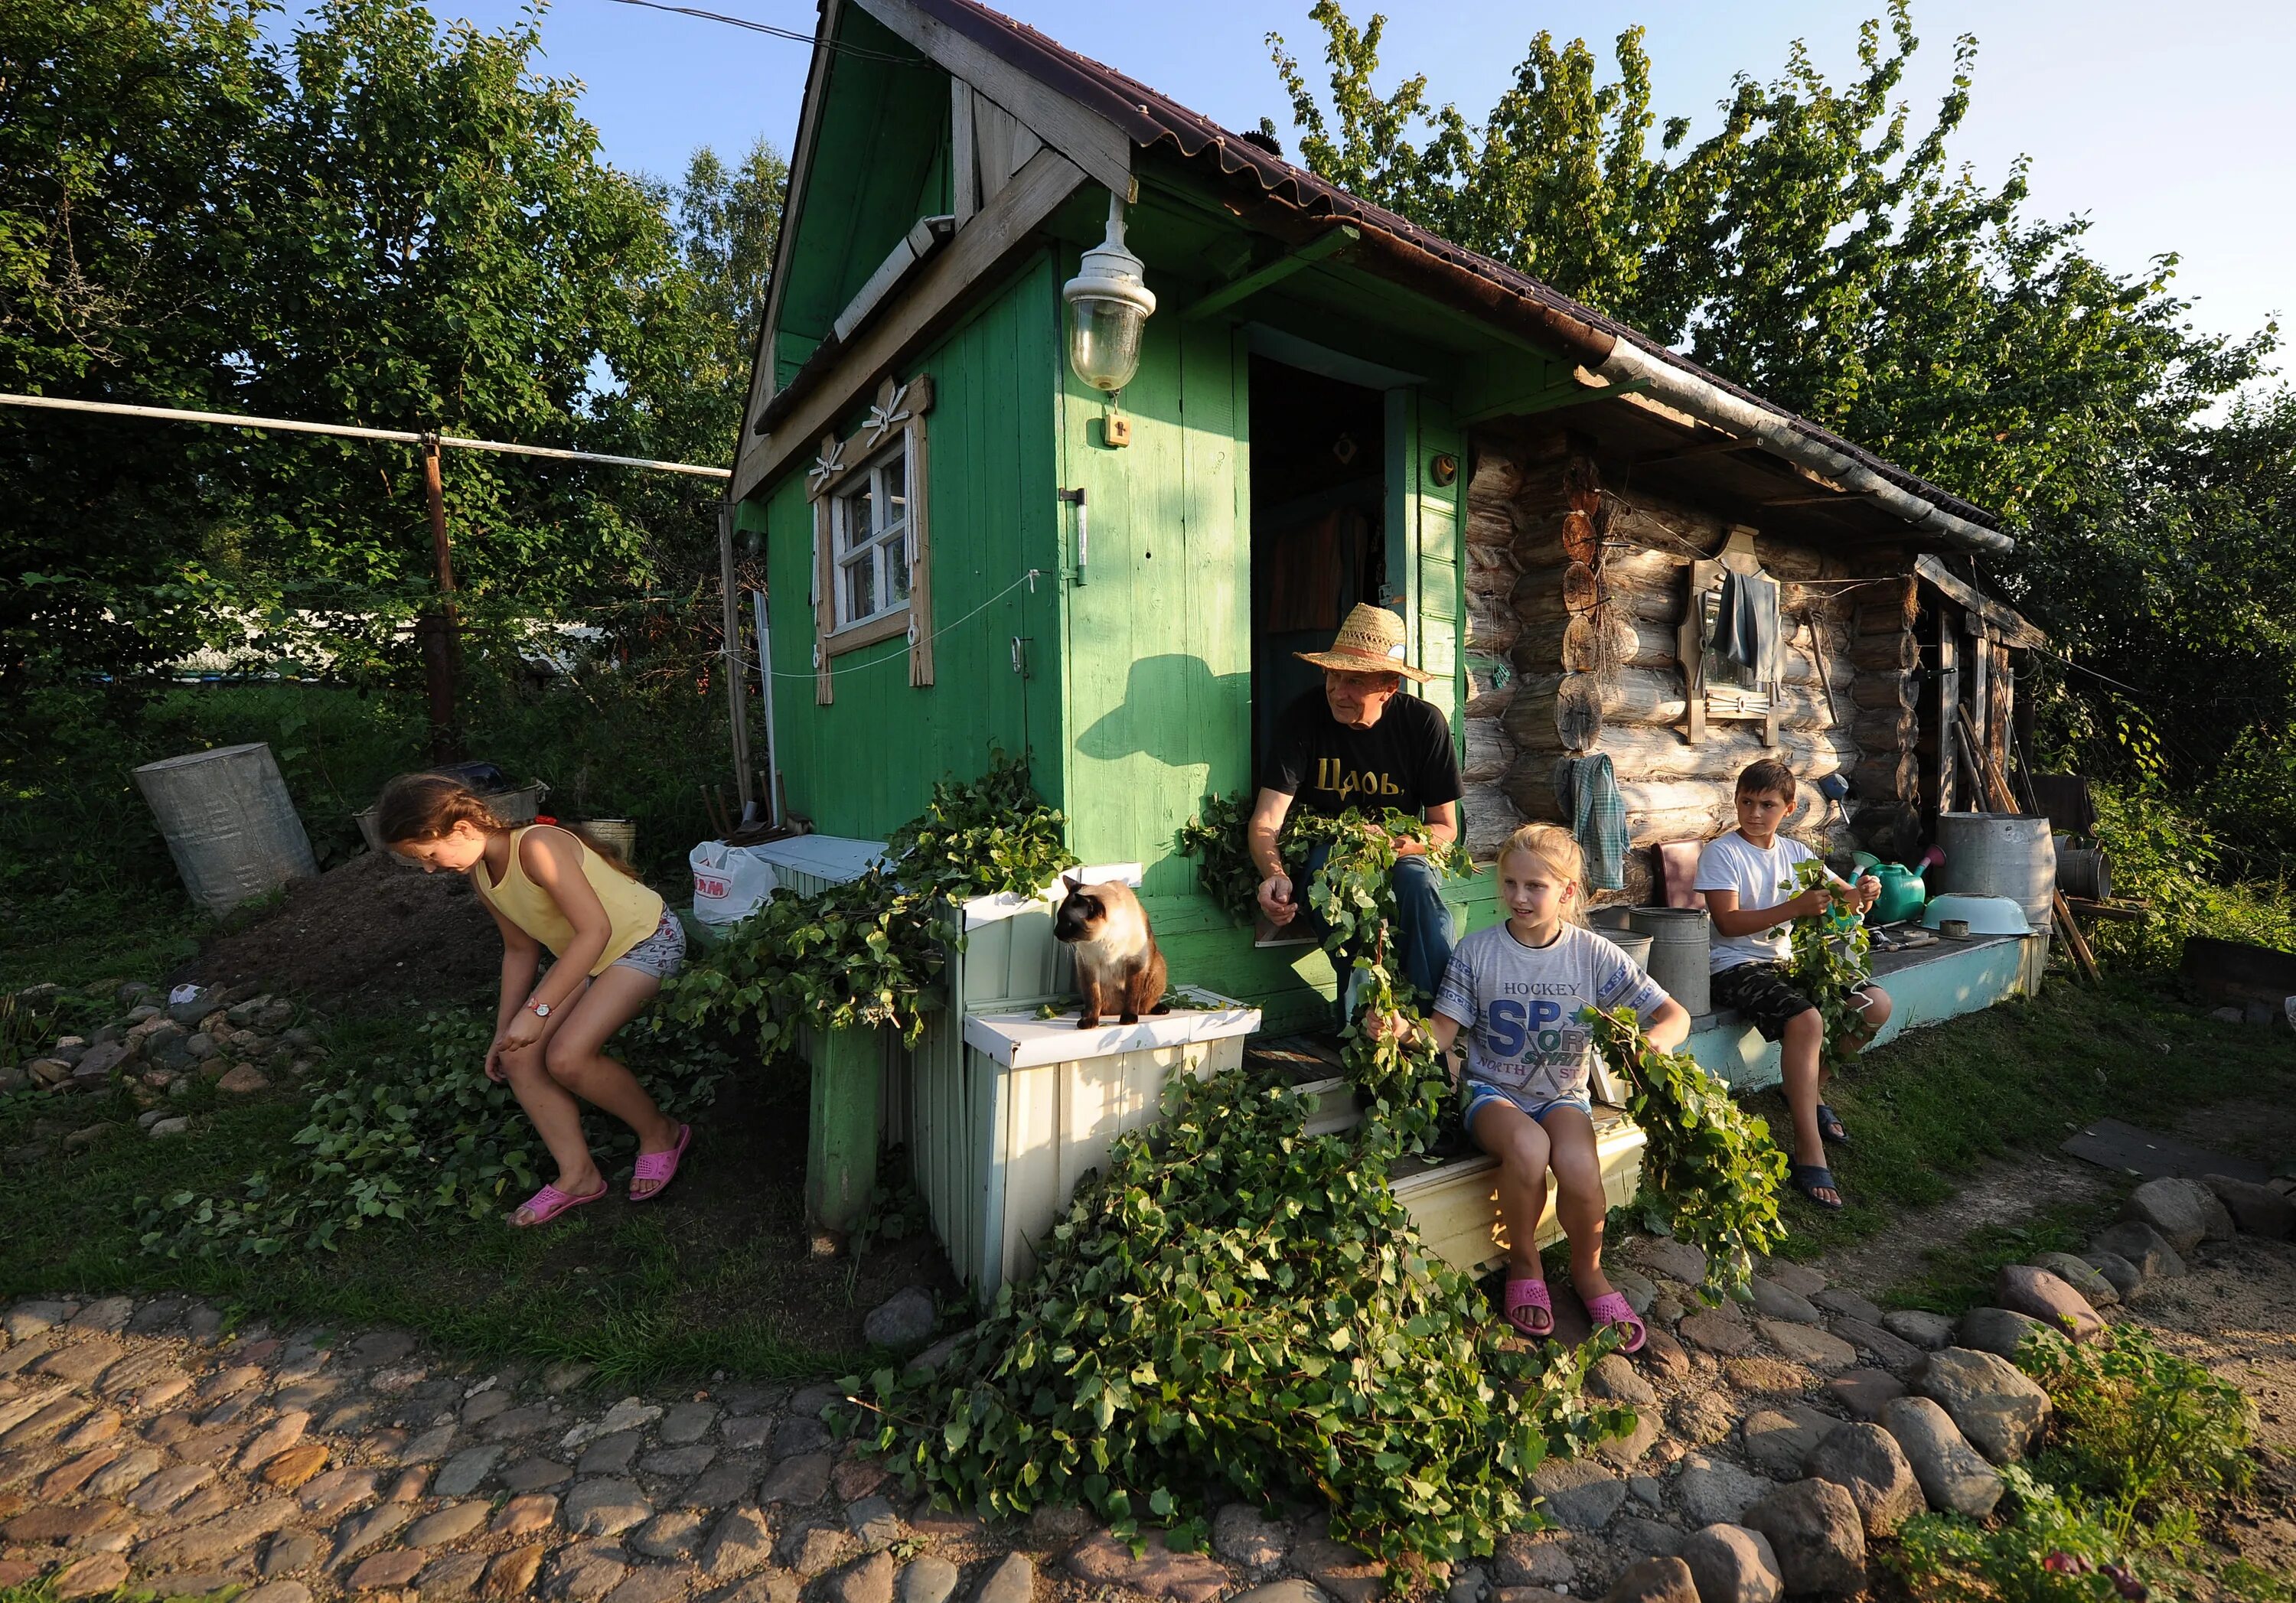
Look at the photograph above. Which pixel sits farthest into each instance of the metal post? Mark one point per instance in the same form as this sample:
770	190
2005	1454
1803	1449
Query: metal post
438	629
737	709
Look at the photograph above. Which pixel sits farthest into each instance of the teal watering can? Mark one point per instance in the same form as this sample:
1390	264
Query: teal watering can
1903	894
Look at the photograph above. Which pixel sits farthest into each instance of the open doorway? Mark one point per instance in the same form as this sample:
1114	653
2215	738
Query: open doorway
1318	499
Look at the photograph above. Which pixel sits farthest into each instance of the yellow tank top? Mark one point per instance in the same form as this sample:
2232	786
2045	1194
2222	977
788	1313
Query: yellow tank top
634	910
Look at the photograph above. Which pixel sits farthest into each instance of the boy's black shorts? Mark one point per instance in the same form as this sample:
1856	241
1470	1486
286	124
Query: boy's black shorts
1765	995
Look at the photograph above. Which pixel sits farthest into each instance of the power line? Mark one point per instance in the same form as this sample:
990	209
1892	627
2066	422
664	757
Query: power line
791	34
170	415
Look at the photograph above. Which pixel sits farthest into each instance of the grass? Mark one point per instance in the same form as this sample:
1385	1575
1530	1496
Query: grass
1933	1106
1960	1277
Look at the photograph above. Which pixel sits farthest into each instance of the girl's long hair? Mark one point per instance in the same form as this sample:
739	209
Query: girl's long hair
426	806
1559	849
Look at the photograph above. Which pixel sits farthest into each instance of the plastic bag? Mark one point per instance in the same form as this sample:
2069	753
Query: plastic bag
730	882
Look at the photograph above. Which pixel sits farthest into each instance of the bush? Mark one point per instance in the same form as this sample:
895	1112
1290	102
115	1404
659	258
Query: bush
423	1138
2046	1547
2163	855
1235	1309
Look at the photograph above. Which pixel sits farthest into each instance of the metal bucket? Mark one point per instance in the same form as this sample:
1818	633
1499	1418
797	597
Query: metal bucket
1610	919
1682	944
1635	946
1998	855
229	823
2082	870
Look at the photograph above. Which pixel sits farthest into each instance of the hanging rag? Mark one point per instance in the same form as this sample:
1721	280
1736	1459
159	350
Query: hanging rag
1746	629
1587	789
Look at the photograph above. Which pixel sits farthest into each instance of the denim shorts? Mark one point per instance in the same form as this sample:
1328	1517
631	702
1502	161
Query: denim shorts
1478	1093
661	953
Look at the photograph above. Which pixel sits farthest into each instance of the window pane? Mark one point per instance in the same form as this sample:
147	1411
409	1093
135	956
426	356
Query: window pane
895	486
896	556
858	521
860	589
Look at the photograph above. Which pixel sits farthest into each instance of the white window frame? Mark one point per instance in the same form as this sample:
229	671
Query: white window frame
895	430
847	554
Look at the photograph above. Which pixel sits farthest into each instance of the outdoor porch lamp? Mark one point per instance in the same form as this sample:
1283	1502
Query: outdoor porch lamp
1109	300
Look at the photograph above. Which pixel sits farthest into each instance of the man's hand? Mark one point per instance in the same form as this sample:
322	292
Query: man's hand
1868	892
1275	900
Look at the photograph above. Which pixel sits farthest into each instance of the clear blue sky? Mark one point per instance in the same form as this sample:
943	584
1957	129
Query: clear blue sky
2168	125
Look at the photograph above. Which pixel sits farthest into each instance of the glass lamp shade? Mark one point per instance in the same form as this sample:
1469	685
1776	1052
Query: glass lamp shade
1104	340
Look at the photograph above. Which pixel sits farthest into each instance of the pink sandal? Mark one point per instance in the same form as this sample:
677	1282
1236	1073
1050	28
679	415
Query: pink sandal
1612	1308
660	1167
549	1202
1529	1295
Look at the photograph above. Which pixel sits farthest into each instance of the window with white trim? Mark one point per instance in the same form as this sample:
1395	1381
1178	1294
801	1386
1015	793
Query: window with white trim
875	548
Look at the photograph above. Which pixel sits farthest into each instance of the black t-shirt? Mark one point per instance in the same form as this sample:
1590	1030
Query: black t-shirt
1405	761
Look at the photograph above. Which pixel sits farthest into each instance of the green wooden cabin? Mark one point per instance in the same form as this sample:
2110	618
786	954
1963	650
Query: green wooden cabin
1331	404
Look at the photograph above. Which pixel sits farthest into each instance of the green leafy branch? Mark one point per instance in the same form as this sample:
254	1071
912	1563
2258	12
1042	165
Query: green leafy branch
1709	1168
1829	963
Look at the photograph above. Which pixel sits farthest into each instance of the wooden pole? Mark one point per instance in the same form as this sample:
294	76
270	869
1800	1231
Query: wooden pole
736	703
439	630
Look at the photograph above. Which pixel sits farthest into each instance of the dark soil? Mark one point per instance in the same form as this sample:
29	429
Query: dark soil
376	930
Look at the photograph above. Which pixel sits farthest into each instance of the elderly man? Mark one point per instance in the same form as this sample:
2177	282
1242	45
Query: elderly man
1360	743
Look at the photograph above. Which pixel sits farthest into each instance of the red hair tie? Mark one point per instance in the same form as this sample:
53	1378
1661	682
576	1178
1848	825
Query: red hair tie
543	818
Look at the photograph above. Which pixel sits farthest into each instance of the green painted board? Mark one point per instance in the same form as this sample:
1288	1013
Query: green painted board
842	1117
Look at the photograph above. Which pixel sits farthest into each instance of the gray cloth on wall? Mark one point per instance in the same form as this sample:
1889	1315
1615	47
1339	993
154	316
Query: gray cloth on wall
1588	787
1747	631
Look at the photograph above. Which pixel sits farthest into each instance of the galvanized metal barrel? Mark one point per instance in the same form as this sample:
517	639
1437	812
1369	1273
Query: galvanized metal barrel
1998	855
1635	946
1682	943
229	824
2082	870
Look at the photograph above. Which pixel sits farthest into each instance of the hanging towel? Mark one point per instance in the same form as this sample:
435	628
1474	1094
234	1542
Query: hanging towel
1588	791
1746	631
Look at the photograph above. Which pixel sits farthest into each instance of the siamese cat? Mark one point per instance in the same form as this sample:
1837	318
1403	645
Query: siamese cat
1118	968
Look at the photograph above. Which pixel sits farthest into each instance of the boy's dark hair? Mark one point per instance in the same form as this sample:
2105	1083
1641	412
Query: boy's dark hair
1767	774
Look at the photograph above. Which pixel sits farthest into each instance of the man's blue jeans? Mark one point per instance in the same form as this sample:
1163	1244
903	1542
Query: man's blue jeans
1422	933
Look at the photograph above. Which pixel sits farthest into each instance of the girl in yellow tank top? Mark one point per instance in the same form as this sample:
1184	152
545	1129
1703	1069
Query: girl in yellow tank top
614	942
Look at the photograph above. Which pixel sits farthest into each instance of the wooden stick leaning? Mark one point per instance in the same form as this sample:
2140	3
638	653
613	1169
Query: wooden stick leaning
2006	800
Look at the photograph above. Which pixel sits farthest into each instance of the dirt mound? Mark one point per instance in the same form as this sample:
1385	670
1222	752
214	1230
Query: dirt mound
373	930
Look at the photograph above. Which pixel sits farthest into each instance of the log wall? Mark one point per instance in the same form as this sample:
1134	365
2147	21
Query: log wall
1574	591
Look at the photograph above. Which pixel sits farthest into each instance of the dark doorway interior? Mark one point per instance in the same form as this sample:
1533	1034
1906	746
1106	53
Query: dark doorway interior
1318	495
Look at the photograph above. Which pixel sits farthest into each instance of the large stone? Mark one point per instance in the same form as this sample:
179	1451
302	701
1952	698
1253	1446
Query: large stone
450	1575
686	1423
1525	1560
741	1541
1158	1570
1718	1331
1815	1536
1283	1591
1730	1564
2147	1250
1624	1452
1865	1460
2026	1288
1918	1327
628	1414
2184	1212
1676	1260
1998	1409
1805	1344
1614	1378
1580	1495
1702	1416
1865	1393
929	1578
2125	1278
2258	1210
902	1320
2094	1290
869	1581
587	1570
1772	1376
873	1521
1713	1491
803	1479
99	1574
2003	1330
1012	1581
1778	1440
605	1506
1891	1352
1849	1305
1774	1301
511	1575
221	1537
1242	1534
815	1546
1342	1571
728	1481
450	1524
461	1474
1954	1475
1654	1580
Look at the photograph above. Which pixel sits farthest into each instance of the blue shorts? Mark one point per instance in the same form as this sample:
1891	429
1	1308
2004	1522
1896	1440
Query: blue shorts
1478	1093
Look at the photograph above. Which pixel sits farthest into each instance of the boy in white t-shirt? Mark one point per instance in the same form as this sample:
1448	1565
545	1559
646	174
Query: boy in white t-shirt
1748	878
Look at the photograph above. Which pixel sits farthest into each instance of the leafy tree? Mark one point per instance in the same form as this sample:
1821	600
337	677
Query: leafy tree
128	203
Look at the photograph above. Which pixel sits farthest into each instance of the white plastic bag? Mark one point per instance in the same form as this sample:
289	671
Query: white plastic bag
730	882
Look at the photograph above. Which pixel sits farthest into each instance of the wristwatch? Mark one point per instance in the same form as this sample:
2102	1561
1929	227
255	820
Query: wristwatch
540	1010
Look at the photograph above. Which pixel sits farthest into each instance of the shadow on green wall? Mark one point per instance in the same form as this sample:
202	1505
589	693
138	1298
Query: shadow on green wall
1176	710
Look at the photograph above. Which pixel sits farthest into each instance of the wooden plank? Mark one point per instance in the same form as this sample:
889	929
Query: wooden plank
965	159
1551	399
1947	709
2002	623
841	1127
1978	705
1242	288
1089	140
1001	228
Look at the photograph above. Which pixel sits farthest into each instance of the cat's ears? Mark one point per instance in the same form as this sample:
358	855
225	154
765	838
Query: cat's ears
1072	882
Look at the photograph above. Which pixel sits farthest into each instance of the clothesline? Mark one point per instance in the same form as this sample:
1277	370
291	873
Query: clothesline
1028	578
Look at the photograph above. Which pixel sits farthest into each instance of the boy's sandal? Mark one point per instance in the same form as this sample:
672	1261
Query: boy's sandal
549	1202
1612	1308
1829	1127
1810	1179
660	1167
1526	1297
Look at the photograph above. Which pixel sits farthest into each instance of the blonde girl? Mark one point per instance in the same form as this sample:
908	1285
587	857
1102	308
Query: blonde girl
613	940
1517	991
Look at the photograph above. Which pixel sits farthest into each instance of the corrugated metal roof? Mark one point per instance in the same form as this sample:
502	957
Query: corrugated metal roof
1153	119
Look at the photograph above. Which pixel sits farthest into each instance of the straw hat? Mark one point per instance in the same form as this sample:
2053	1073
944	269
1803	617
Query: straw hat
1370	642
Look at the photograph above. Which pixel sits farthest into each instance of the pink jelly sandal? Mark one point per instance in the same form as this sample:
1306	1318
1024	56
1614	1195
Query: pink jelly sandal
660	1167
1613	1309
549	1202
1527	1296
